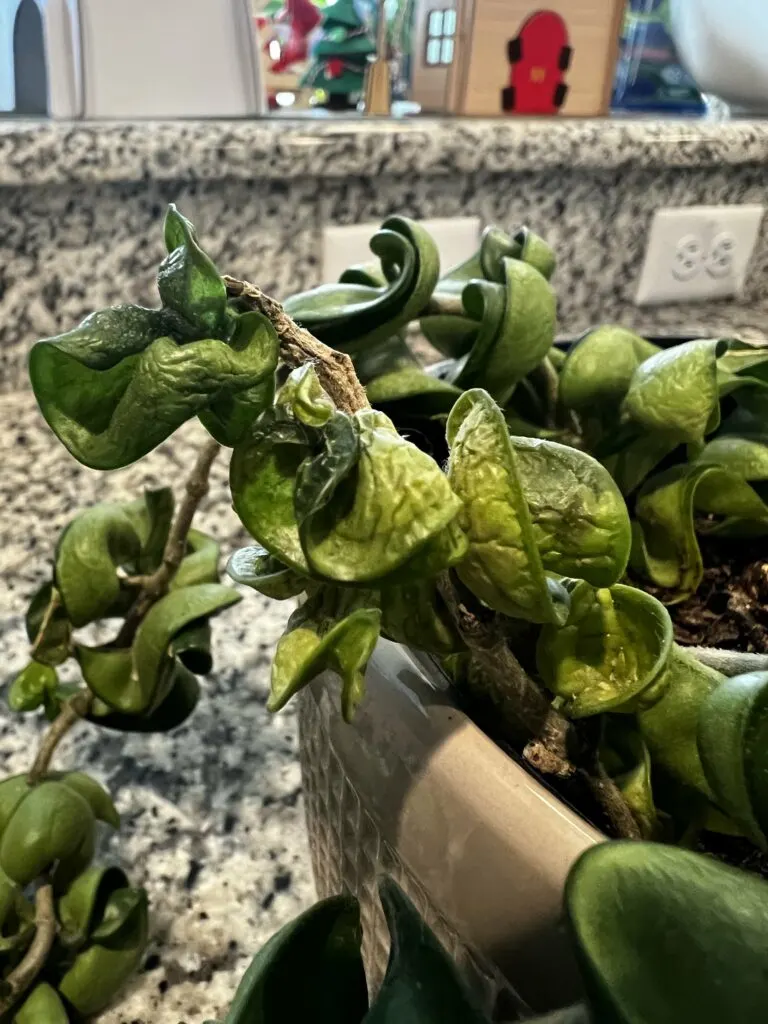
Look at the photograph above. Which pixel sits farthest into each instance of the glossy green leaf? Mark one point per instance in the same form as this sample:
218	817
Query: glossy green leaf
369	274
88	555
415	615
192	647
94	794
413	389
398	500
51	824
152	516
635	456
17	917
321	948
745	456
262	477
173	711
200	564
732	732
535	251
666	548
255	567
625	757
138	680
228	417
669	721
353	317
613	647
666	936
318	477
446	549
304	395
27	691
580	522
12	791
422	984
312	645
745	357
517	329
598	370
675	392
81	907
41	1006
503	567
188	280
102	968
120	908
122	382
52	646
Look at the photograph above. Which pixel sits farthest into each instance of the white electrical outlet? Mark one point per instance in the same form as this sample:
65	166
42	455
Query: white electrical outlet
698	252
456	238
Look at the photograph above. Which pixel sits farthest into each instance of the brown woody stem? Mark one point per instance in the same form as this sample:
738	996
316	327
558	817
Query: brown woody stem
154	586
22	976
50	611
74	709
297	347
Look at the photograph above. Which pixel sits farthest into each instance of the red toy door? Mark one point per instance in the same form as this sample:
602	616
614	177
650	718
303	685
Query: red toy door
539	57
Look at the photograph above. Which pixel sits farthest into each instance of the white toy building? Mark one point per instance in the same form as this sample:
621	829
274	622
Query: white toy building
140	59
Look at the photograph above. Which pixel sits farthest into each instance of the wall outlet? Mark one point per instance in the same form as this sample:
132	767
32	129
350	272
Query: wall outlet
456	237
697	253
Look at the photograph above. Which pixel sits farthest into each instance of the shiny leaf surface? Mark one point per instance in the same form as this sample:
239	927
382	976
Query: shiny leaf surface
188	280
28	690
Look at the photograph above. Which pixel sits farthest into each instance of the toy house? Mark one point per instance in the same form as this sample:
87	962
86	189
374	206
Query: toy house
515	57
146	58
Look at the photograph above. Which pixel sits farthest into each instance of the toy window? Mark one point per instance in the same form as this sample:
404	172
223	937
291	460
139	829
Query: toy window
441	29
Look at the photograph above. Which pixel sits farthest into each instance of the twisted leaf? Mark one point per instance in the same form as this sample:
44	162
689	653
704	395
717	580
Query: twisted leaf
322	947
415	614
666	935
732	731
137	680
397	502
183	695
81	907
101	969
669	721
304	395
503	567
28	690
17	917
580	522
188	280
312	644
353	317
118	385
318	477
421	985
675	392
42	1006
412	390
614	646
52	824
255	567
94	794
598	370
517	329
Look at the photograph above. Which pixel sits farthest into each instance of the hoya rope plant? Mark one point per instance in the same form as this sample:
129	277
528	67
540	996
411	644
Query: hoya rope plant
507	562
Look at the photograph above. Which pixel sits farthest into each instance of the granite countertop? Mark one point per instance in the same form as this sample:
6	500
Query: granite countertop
38	152
212	814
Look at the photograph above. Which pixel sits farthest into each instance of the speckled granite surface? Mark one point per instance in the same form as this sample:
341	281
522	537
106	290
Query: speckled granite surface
212	815
81	205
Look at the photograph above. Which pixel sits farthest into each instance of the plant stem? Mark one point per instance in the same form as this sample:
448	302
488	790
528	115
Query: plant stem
444	305
298	346
74	709
53	605
22	976
156	584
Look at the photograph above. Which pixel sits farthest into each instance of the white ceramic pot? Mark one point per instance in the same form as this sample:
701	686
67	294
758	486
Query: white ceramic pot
724	46
415	789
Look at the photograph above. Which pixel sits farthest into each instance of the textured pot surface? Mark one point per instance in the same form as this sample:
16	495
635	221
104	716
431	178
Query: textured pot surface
414	788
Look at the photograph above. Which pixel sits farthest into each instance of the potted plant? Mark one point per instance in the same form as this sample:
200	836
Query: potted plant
506	577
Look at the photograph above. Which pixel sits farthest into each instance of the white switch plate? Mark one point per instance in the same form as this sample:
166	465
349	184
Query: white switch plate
697	253
456	237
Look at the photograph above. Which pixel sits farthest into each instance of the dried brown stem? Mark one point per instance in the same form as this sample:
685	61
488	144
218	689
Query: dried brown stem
156	584
74	709
22	976
50	611
298	346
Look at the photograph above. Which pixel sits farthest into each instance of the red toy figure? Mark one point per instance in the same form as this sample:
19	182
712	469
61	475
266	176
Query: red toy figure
539	57
303	17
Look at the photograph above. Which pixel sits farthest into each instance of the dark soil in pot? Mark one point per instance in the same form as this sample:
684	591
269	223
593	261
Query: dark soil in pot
730	607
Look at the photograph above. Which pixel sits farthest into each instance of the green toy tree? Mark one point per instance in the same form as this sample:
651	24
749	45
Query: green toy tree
340	57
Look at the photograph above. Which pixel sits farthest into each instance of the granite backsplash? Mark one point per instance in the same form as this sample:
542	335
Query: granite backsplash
81	206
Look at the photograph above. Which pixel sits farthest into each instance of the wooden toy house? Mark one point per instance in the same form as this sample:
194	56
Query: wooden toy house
494	57
145	58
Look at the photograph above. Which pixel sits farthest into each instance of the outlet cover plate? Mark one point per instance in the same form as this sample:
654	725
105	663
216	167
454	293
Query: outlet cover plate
698	253
457	239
